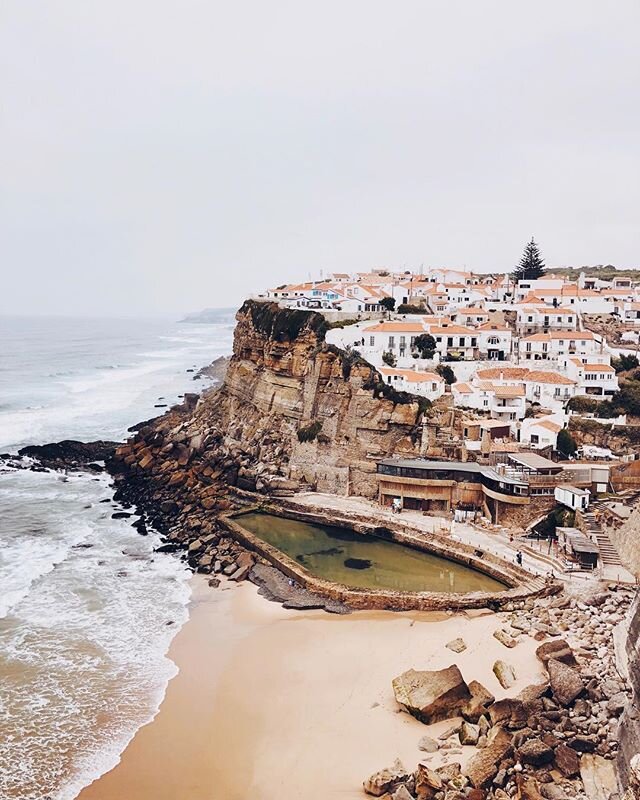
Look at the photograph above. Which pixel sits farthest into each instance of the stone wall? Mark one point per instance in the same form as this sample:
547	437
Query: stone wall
629	729
520	584
625	537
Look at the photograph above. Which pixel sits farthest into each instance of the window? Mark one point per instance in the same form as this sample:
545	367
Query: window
493	340
485	403
528	347
392	341
534	438
461	341
474	342
372	341
557	391
450	341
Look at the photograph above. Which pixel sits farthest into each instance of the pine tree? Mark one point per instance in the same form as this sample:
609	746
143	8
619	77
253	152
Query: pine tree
531	265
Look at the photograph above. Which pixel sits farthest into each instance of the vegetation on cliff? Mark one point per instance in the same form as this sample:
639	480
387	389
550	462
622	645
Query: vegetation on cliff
283	324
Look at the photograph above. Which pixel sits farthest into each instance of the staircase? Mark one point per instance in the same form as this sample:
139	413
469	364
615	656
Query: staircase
608	553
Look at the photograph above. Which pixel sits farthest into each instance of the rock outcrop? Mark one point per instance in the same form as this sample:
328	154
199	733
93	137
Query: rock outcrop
432	695
292	412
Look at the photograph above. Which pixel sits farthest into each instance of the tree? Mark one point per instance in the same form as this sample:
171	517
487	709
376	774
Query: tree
426	344
626	362
389	359
566	443
388	303
447	373
531	265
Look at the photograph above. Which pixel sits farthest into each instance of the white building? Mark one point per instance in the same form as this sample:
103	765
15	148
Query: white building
553	345
533	319
541	432
550	389
427	384
575	499
505	402
597	379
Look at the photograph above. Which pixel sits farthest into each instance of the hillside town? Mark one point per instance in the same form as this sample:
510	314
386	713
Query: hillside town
516	367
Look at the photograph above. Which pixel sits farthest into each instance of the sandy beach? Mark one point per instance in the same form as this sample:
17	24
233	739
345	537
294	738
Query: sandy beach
270	703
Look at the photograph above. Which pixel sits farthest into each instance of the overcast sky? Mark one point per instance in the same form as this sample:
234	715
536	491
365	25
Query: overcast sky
163	156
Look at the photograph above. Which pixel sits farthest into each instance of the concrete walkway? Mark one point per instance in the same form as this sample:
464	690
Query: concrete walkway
536	558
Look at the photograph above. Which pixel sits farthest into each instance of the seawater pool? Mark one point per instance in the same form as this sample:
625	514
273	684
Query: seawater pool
364	561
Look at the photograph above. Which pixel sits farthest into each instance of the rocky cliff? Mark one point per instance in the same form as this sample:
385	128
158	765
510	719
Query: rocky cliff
292	412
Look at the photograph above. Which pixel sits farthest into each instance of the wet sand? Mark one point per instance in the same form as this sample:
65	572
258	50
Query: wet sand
271	703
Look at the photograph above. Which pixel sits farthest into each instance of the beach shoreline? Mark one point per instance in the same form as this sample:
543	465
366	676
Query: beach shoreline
270	702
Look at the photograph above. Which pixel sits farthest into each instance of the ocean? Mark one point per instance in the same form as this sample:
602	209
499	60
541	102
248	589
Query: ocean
87	610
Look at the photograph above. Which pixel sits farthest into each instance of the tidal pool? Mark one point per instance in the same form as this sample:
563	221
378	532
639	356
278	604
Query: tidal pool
362	560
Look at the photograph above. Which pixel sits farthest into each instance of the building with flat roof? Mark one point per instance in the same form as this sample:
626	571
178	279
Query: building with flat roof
443	485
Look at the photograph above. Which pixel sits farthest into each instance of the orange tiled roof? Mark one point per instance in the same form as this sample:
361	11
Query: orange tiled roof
412	375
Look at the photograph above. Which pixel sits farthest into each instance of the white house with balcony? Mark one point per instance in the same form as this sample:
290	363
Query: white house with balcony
505	402
549	388
593	379
495	342
390	337
553	345
533	319
426	384
455	340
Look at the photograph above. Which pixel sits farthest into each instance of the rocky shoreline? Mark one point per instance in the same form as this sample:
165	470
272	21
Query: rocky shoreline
216	454
532	746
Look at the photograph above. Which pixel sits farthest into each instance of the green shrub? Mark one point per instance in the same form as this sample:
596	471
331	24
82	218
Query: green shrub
626	362
408	308
566	443
447	373
341	323
389	359
426	344
309	432
283	324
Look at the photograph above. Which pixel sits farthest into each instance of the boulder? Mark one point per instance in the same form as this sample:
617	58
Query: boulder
566	683
432	695
386	780
535	752
504	638
527	789
567	761
510	713
505	674
481	699
428	745
616	704
402	793
457	645
558	649
483	766
428	783
468	733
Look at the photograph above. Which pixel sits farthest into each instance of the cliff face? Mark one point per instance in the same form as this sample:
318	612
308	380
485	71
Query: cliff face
292	411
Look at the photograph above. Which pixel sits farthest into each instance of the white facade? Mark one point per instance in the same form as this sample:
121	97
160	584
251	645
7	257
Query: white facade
427	384
597	379
575	499
554	345
531	319
541	432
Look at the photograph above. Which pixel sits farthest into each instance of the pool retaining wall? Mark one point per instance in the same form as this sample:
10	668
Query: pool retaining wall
520	584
